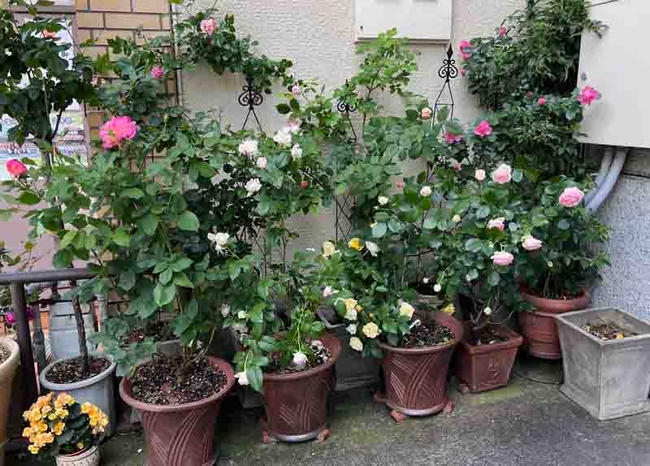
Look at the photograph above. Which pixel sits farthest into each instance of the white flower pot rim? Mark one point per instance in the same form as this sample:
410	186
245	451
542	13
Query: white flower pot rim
14	351
82	383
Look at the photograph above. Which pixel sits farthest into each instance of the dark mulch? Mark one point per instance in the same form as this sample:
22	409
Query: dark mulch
159	331
608	331
172	381
4	354
486	336
427	334
321	356
70	371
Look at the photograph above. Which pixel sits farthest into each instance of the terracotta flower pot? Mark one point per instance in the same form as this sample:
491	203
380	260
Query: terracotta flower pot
180	435
416	378
89	457
296	404
539	327
7	372
487	367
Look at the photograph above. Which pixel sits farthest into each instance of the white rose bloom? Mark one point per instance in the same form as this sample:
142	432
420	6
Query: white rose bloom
351	329
225	310
283	137
328	248
437	288
425	191
351	314
383	200
371	330
356	344
456	218
296	151
242	378
219	240
487	311
479	175
292	126
252	186
425	280
373	248
262	162
249	148
406	310
300	359
329	291
242	315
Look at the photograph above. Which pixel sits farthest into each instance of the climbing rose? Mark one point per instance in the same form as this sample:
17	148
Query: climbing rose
425	191
373	248
498	223
406	310
252	186
356	244
541	100
295	90
503	31
426	113
451	138
463	71
220	240
483	129
157	72
479	174
248	147
329	291
465	47
502	258
16	168
283	137
383	200
296	151
328	249
571	197
587	95
262	162
208	26
399	185
356	344
117	129
456	218
503	174
531	243
292	126
371	330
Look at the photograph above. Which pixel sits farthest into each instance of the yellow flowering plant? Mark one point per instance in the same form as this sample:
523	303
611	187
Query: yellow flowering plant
58	424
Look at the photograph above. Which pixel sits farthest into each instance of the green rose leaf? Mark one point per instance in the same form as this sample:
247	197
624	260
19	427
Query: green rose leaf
164	294
379	230
494	278
67	239
188	221
255	378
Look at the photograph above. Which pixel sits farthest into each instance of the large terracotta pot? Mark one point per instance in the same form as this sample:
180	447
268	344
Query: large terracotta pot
296	404
486	367
539	327
415	379
180	435
7	372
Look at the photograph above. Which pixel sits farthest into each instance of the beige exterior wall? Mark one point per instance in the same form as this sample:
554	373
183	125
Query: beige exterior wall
318	36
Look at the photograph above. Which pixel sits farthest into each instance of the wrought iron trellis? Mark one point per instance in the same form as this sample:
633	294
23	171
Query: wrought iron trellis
447	71
251	97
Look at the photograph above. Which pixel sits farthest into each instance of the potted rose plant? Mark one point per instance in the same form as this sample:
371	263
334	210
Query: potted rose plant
62	428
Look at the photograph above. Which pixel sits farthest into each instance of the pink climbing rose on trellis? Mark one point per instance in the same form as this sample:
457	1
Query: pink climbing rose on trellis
465	48
483	129
571	197
208	26
502	258
116	130
451	138
587	95
157	72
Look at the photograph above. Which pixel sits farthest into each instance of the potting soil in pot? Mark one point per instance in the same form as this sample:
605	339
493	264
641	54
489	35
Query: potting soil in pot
4	354
70	370
485	336
170	381
608	331
427	334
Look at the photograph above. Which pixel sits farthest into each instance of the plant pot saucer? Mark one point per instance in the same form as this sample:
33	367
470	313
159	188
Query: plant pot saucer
399	414
319	435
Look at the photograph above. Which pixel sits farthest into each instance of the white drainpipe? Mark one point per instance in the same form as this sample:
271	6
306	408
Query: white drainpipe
610	171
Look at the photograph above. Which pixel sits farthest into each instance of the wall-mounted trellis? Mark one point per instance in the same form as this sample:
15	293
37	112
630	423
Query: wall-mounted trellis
447	71
251	97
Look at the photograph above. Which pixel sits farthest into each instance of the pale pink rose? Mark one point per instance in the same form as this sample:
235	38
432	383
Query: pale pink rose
295	90
157	72
503	31
465	48
541	100
571	197
463	71
498	223
483	129
503	174
480	174
117	129
399	185
262	162
502	258
208	26
458	166
531	243
426	113
451	138
588	95
293	126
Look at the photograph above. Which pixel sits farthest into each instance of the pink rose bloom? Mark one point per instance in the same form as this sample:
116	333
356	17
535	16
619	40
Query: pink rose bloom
400	185
117	129
16	168
588	95
502	258
295	90
529	94
458	166
157	72
426	113
503	174
498	223
208	26
50	35
541	100
465	47
463	71
571	197
483	129
531	243
451	138
503	31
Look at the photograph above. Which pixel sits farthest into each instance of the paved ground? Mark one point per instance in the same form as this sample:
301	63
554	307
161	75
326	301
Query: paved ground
528	423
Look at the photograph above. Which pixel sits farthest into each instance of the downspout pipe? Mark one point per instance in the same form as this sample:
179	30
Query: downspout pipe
605	165
607	186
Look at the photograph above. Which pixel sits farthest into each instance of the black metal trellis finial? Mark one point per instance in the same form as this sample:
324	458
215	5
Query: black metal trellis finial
251	98
345	107
447	71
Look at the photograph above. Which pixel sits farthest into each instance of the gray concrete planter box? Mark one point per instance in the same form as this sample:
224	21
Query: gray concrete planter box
352	369
609	379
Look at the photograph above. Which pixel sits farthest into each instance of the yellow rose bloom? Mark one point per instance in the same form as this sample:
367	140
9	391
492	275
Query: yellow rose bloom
329	248
371	330
350	304
356	244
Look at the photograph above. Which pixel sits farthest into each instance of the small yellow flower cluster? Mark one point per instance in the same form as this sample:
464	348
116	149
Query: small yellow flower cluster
37	416
449	309
98	420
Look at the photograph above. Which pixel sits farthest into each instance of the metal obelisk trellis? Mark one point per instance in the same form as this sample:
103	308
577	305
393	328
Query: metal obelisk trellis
251	98
447	71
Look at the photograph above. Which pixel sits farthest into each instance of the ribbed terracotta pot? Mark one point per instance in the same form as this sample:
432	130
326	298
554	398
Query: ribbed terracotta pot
180	435
296	404
415	379
7	372
539	327
486	367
